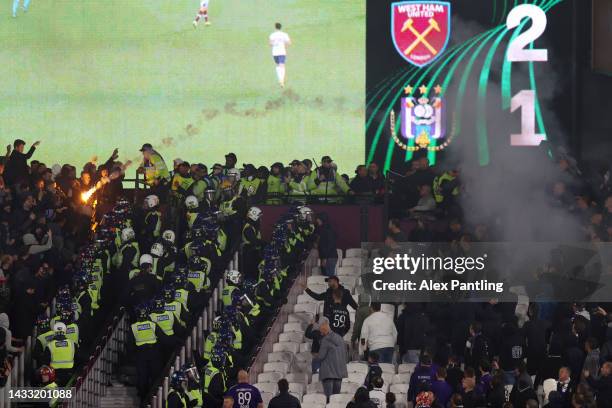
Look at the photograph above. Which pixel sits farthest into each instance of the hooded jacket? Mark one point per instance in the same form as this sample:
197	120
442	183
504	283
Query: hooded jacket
332	355
4	325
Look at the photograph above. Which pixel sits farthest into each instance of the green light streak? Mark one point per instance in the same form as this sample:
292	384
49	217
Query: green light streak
494	11
538	111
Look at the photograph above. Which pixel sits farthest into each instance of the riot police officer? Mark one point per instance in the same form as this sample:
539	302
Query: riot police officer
145	334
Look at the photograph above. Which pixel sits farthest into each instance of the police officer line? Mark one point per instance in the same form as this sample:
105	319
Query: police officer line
93	384
196	338
16	378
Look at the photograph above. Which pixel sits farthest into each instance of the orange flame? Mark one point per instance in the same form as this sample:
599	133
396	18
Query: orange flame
87	195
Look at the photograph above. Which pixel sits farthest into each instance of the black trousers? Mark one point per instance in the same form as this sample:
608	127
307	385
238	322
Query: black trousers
147	367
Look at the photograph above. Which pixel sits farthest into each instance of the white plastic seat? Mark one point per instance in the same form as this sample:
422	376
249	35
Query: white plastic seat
293	327
286	346
347	271
266	397
349	388
349	282
305	298
387	368
296	387
312	405
297	395
403	378
398	388
352	262
402	398
354	253
301	317
316	270
310	308
295	337
318	288
278	366
315	387
316	280
269	377
305	347
340	256
357	367
549	385
282	356
387	378
301	378
356	377
340	398
336	404
271	388
406	368
304	356
315	398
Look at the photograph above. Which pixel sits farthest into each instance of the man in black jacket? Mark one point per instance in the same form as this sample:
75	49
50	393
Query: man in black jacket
602	386
327	245
16	169
412	327
327	297
284	399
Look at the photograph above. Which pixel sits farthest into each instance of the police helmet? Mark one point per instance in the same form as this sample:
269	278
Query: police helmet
151	201
46	374
157	249
191	372
168	235
196	264
59	328
305	214
177	379
235	173
142	312
169	294
127	234
146	259
233	276
254	213
218	357
217	323
191	202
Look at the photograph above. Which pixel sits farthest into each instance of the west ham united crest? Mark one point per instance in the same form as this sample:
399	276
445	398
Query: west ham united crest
420	30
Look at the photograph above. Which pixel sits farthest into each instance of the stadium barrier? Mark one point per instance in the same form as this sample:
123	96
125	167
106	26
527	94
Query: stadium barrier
16	376
193	342
297	288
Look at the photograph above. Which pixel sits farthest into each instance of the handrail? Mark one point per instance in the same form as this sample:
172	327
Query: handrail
17	375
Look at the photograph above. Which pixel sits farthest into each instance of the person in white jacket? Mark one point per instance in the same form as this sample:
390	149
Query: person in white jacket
379	334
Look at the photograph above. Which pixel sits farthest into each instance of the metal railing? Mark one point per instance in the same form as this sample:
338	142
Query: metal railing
16	376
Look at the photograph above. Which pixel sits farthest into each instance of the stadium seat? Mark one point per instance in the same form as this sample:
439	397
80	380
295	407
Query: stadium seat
293	327
387	368
406	368
316	270
297	388
297	395
282	356
349	388
310	308
295	337
347	271
340	256
318	288
304	356
399	388
312	405
317	398
301	317
402	399
354	253
356	377
305	347
352	262
315	378
403	378
269	377
375	253
268	387
340	398
286	346
388	379
316	280
357	367
305	298
314	387
279	366
266	397
336	404
349	282
549	385
301	378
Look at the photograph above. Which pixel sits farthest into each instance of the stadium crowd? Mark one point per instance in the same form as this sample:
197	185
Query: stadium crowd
75	239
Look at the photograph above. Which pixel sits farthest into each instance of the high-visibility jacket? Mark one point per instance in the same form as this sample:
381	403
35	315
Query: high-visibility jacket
119	254
209	373
175	308
155	168
275	188
199	279
180	395
246	226
210	342
437	186
181	183
144	332
250	186
157	229
133	272
195	395
45	338
51	386
62	354
222	240
182	295
198	188
165	321
237	344
227	207
94	293
226	295
72	332
192	215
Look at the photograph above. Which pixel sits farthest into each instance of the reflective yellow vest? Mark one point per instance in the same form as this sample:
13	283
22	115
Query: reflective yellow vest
165	321
182	295
199	279
62	354
226	295
72	332
210	342
51	386
222	240
175	308
227	207
144	332
157	230
181	396
191	217
195	395
250	186
45	338
437	186
237	345
246	226
119	254
209	374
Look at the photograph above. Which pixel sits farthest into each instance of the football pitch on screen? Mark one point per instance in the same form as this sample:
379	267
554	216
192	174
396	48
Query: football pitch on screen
87	76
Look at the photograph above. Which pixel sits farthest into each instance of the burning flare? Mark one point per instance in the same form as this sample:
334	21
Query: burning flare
87	195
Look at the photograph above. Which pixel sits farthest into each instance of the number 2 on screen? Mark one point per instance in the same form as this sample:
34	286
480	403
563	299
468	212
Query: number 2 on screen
525	99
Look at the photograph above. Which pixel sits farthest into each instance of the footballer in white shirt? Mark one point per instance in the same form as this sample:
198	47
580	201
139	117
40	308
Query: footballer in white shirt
202	14
279	41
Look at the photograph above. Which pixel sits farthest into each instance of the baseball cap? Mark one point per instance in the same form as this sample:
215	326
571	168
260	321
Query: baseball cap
146	146
295	162
332	278
326	158
232	155
178	161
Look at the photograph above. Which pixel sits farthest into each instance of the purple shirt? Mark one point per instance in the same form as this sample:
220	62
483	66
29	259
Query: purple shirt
245	396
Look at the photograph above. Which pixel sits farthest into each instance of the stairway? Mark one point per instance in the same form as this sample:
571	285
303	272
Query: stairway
119	395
